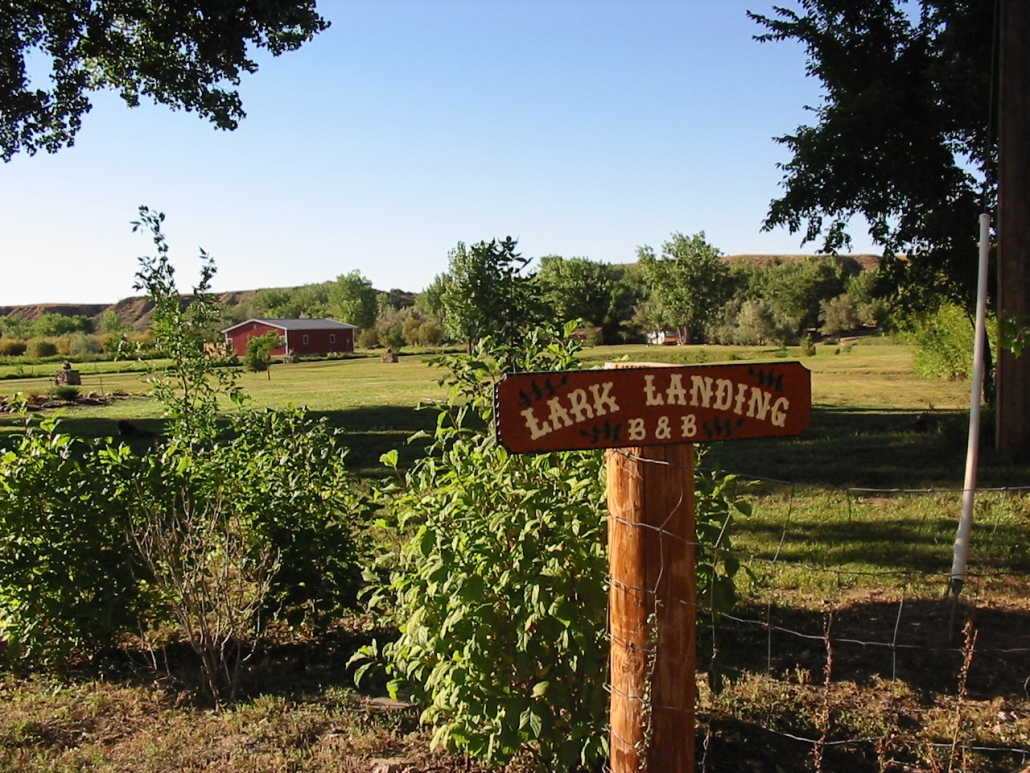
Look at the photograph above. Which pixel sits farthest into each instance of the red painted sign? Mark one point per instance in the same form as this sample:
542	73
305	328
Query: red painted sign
646	406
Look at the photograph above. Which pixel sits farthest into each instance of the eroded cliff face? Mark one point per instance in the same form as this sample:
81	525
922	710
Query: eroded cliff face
135	312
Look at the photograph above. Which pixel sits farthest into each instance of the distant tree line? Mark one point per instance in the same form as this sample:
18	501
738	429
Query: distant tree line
689	288
74	336
489	289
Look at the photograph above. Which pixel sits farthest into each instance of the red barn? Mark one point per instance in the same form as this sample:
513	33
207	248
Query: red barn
297	336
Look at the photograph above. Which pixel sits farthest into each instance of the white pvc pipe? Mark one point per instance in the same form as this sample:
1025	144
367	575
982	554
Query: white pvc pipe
965	524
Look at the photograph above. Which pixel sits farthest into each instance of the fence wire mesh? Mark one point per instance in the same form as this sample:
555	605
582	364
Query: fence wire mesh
846	650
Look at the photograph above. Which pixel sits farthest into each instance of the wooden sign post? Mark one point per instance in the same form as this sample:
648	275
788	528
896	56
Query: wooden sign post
653	414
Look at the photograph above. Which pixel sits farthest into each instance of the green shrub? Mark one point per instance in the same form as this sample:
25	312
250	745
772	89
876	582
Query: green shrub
83	347
40	347
68	577
422	331
839	315
943	342
499	589
283	481
291	484
67	393
368	338
12	347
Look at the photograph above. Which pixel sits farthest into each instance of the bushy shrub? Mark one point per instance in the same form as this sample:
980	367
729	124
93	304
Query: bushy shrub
291	484
839	315
40	347
751	322
943	342
500	590
67	393
83	347
759	325
368	338
68	577
12	347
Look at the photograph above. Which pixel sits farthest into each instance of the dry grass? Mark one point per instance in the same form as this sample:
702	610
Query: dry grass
97	726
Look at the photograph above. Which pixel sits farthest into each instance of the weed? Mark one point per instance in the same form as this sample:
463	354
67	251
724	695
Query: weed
67	393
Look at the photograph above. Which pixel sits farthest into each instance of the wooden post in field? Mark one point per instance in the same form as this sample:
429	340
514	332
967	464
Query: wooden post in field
654	414
651	608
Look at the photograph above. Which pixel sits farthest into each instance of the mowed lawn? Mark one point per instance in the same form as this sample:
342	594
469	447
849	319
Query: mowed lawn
320	386
871	374
875	422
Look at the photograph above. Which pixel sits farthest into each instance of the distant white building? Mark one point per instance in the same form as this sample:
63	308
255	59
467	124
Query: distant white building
662	338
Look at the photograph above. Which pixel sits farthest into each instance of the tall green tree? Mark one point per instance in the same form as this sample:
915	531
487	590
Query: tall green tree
352	299
489	293
430	300
900	137
688	284
580	288
187	55
795	290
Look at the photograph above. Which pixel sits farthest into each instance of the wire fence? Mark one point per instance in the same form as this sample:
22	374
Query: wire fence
877	665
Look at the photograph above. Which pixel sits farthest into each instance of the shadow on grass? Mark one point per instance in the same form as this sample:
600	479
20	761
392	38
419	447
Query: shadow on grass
373	431
907	545
879	448
785	640
369	432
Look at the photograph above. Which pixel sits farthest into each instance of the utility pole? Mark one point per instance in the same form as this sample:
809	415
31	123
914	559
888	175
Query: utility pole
1012	433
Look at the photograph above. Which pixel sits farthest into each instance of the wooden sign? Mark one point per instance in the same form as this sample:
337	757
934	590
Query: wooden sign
657	413
646	406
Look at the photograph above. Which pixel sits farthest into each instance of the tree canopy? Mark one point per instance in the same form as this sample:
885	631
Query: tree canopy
354	300
187	55
688	284
580	288
488	294
901	137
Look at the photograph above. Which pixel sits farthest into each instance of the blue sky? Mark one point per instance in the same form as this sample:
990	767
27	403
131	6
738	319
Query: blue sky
580	127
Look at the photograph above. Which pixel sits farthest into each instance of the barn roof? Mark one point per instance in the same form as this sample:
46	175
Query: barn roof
298	324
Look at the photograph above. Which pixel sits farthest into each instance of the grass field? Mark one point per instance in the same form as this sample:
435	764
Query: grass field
874	422
836	553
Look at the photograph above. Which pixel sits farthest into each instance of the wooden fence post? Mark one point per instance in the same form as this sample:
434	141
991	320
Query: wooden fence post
654	413
652	599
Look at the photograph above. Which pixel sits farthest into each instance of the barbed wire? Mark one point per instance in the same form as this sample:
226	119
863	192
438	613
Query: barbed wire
906	597
749	557
866	739
826	486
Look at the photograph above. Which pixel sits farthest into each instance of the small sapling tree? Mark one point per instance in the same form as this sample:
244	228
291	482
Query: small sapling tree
232	529
258	358
188	387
